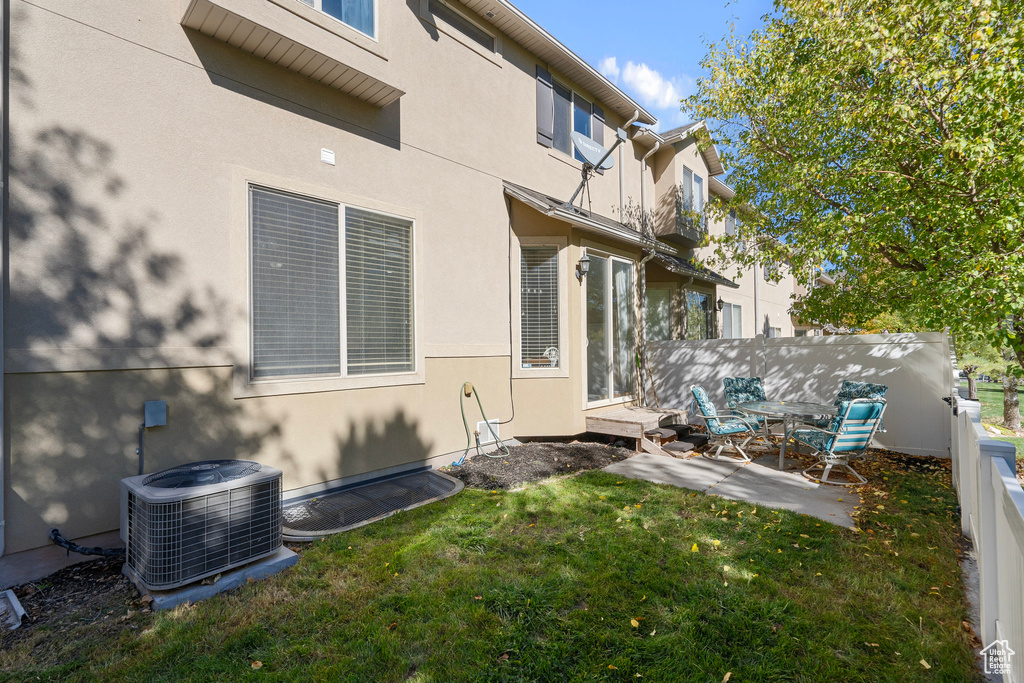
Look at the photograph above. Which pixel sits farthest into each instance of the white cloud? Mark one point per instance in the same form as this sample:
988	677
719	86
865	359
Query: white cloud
652	88
609	67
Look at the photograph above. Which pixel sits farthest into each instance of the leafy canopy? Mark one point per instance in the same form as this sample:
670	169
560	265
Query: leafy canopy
886	140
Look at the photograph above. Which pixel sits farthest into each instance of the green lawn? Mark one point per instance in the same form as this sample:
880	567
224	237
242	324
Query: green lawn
990	394
579	578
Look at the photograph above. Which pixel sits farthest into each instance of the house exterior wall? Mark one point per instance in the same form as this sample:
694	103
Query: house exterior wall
774	296
132	140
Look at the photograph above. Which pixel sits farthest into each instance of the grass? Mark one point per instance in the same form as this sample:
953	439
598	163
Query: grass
990	394
579	578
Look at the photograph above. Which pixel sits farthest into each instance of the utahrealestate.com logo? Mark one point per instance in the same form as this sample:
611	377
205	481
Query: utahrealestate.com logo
996	657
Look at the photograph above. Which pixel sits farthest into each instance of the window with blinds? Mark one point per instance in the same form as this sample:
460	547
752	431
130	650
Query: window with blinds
295	312
300	258
538	287
378	292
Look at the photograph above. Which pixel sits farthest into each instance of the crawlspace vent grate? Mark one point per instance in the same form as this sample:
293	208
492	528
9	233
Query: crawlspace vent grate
342	510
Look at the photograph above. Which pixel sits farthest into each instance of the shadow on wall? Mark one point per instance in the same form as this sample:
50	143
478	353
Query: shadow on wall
98	280
242	73
363	445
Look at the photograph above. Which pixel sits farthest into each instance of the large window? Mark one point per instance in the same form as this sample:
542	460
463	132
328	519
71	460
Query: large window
699	321
359	14
610	348
538	307
732	321
331	289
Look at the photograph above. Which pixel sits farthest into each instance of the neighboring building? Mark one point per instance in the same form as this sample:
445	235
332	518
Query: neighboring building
305	232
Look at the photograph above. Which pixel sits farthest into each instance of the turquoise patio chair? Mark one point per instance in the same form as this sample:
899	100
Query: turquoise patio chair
724	427
847	438
744	390
851	390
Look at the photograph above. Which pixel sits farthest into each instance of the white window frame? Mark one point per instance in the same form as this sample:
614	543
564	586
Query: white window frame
244	386
518	371
612	256
732	317
318	6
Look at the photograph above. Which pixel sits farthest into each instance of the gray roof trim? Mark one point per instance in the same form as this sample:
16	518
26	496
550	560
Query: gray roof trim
581	218
711	156
681	266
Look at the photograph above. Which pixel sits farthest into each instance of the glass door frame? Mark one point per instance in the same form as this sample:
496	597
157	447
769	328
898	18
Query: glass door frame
609	336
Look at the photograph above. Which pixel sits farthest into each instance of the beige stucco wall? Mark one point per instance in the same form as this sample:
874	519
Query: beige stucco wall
131	139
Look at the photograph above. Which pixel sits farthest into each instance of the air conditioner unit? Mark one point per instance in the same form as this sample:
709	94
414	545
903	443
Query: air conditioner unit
197	520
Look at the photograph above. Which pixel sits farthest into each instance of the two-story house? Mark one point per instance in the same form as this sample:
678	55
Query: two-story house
305	224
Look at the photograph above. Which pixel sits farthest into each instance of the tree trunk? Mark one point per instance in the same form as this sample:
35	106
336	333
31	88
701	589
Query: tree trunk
972	388
1011	403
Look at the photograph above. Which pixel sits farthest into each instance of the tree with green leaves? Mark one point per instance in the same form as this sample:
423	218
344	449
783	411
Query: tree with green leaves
884	139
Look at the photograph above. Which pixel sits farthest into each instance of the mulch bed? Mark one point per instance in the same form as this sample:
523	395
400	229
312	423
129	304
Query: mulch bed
87	593
535	461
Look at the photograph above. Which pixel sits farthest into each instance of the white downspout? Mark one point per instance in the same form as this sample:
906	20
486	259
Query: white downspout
622	167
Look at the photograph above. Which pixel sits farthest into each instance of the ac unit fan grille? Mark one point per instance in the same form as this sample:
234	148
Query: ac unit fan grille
173	543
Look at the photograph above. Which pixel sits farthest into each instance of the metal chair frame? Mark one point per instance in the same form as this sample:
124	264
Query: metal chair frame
725	440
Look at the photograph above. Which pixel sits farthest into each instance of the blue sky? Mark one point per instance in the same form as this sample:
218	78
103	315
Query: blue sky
650	48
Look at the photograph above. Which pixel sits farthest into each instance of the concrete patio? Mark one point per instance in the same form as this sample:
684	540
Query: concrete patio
757	482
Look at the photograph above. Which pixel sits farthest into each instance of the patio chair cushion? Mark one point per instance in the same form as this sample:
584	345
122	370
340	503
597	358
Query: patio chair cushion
819	441
743	390
851	390
706	407
728	426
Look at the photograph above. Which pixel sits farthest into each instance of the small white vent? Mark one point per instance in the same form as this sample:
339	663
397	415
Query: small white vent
486	434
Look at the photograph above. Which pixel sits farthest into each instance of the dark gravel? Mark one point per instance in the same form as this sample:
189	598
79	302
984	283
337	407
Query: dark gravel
90	593
536	461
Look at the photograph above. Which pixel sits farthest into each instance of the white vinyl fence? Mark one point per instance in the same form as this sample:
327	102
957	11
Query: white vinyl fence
992	516
915	367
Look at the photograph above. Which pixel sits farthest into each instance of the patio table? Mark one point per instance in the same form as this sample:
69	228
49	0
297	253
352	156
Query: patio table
791	413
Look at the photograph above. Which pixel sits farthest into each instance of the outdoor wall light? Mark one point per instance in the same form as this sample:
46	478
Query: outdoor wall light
583	267
720	304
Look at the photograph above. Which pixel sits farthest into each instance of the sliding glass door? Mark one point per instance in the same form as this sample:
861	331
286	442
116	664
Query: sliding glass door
610	328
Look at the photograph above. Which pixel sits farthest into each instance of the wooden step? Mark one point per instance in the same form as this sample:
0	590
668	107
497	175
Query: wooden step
690	443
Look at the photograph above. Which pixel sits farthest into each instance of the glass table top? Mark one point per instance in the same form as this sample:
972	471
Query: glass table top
787	408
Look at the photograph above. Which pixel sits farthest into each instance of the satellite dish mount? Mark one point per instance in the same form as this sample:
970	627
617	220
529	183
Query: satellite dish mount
595	156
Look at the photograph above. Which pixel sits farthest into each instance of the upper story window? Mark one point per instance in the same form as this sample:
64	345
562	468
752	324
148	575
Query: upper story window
359	14
461	23
693	191
560	111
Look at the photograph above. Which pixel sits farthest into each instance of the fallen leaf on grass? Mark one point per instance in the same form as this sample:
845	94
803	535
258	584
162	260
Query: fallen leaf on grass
478	597
654	631
612	666
635	623
925	664
728	675
257	664
503	658
694	548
